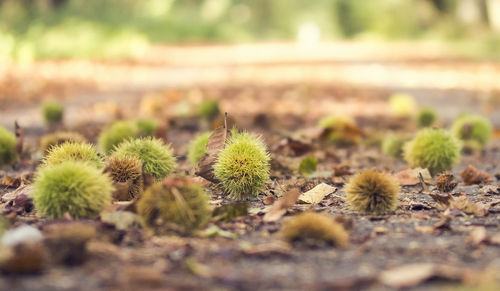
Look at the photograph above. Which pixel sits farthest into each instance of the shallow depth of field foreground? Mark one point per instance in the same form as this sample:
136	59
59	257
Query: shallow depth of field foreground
250	145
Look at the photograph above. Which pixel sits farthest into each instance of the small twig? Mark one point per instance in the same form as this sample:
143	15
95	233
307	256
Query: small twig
422	183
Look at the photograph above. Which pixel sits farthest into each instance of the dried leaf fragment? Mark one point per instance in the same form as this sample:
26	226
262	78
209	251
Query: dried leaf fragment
279	208
316	194
414	274
410	177
446	182
216	142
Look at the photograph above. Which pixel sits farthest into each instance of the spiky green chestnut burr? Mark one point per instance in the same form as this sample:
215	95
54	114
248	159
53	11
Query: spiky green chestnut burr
157	157
73	187
434	149
313	229
147	126
242	167
7	147
197	148
392	145
340	130
52	112
116	134
73	151
426	117
208	109
372	192
57	138
126	173
402	105
473	130
175	204
308	166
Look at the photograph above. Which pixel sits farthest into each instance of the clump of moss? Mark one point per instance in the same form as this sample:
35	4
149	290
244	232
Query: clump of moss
73	151
147	126
176	204
474	130
208	109
7	147
73	187
52	112
340	130
402	105
372	192
434	149
314	229
157	157
197	148
426	117
125	170
308	166
392	145
116	134
60	137
242	167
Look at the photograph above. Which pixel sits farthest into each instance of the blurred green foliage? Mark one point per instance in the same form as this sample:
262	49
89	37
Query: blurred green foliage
32	29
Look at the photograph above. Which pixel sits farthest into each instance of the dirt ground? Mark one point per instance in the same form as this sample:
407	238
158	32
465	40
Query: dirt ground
421	246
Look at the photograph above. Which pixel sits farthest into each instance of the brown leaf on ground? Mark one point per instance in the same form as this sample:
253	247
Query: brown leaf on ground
491	190
446	182
292	147
442	225
414	274
268	200
410	177
472	175
316	194
265	250
279	208
342	170
442	200
216	142
464	204
24	189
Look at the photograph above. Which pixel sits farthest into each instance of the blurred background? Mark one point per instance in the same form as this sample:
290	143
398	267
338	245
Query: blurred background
38	29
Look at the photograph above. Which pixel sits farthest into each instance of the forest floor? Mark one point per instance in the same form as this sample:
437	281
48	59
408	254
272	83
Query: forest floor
279	91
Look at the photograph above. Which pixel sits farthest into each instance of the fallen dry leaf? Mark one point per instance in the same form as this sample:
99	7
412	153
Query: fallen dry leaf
279	208
292	147
443	224
442	200
464	204
472	175
411	275
316	194
216	142
410	177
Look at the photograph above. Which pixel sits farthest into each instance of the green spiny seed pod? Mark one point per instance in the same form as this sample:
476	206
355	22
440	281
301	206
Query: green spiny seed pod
126	170
242	167
176	204
434	149
313	229
372	192
7	147
472	129
340	130
73	151
308	166
197	148
52	112
402	105
157	157
426	117
57	138
208	109
116	134
73	187
147	126
392	145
